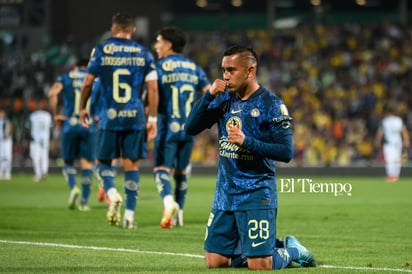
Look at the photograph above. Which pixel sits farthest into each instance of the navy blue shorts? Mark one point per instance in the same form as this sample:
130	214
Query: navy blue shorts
172	154
77	143
250	233
129	144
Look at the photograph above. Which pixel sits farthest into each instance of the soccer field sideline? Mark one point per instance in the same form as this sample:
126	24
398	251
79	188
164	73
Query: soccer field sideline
179	254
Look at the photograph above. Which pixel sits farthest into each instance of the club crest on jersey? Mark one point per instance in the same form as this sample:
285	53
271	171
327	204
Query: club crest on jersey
233	121
255	112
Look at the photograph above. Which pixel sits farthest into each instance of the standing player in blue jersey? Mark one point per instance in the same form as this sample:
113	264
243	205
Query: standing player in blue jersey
180	80
125	68
254	130
77	142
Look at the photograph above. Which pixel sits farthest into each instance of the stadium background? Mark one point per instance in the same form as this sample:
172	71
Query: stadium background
335	63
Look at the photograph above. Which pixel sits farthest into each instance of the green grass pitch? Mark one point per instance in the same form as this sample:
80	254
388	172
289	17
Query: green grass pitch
366	230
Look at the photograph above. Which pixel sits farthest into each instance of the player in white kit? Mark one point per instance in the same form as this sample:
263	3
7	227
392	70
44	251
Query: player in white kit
6	145
40	123
393	136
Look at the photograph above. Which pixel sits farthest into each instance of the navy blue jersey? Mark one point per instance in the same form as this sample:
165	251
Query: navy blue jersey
246	175
72	82
122	66
180	80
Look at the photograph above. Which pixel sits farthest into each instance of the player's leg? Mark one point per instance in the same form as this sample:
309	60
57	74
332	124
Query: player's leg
9	158
106	150
180	177
131	188
134	147
69	174
106	175
164	155
257	230
45	161
222	244
163	185
101	193
86	182
397	165
86	145
392	161
69	154
35	156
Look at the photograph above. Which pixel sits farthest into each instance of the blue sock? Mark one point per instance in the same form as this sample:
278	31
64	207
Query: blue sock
283	256
180	189
114	168
69	173
131	188
86	185
162	181
106	175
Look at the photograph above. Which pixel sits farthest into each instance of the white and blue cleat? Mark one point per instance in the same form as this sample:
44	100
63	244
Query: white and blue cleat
305	259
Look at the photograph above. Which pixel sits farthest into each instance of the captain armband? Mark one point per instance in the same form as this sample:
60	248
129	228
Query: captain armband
285	121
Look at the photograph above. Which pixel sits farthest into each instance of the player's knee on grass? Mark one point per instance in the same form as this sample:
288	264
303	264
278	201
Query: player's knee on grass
214	260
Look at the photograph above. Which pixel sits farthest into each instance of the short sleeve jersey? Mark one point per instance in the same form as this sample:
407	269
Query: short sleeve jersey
72	82
121	65
180	83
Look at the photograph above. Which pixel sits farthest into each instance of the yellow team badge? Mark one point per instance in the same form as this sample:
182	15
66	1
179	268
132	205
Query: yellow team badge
233	121
284	110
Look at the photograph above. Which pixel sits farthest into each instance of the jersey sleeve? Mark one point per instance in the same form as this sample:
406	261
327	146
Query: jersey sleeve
203	115
281	149
94	63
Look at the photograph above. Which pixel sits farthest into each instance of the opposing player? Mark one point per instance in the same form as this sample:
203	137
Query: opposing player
254	130
77	142
180	80
6	146
39	125
124	67
392	136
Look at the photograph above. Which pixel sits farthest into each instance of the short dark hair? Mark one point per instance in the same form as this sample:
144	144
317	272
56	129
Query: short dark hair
82	62
246	51
240	49
174	35
123	19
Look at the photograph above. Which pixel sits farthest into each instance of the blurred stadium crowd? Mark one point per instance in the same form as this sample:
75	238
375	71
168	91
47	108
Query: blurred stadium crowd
335	81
